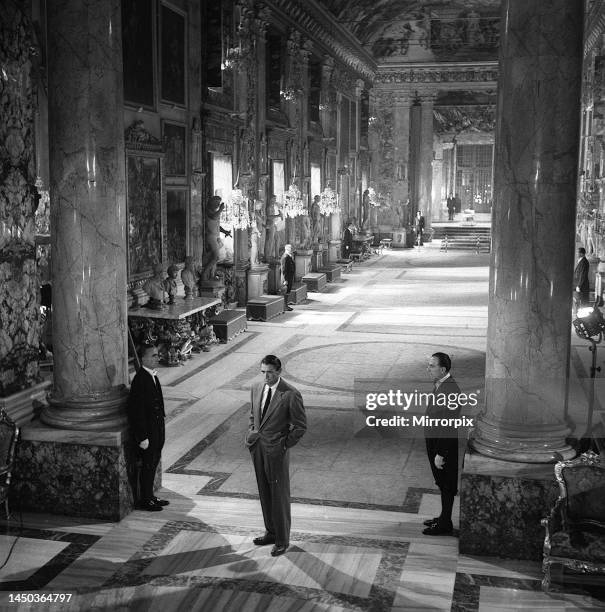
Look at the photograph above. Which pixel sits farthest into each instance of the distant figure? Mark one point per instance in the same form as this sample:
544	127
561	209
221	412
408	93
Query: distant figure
580	280
347	241
254	240
288	270
271	229
213	231
457	204
451	207
419	224
259	217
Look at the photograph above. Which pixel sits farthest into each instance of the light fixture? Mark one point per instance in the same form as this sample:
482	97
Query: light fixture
293	203
328	201
240	217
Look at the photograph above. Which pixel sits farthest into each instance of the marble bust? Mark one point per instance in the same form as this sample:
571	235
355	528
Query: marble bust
189	276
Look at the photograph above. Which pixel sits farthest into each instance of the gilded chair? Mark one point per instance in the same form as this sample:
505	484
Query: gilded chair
575	528
9	433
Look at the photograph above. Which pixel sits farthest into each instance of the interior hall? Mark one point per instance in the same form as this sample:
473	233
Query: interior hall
357	188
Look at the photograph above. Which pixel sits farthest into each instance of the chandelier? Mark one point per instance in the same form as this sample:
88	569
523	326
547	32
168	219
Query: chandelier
43	211
240	217
231	59
374	197
328	203
293	204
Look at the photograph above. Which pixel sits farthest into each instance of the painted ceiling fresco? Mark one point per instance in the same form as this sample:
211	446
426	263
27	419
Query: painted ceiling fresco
422	30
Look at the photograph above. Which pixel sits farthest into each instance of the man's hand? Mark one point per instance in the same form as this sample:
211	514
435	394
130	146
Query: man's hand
439	462
144	444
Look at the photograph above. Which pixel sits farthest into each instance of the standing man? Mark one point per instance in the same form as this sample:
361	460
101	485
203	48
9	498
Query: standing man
277	422
419	227
442	442
347	241
580	279
288	269
451	206
146	419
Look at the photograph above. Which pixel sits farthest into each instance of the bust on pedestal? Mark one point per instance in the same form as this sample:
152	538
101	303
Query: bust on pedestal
190	278
154	288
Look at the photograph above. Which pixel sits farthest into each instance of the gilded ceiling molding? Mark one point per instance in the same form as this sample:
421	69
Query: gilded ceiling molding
320	26
459	119
435	73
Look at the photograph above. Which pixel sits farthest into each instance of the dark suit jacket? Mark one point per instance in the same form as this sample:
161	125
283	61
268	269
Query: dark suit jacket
146	409
580	275
284	422
288	267
420	223
347	239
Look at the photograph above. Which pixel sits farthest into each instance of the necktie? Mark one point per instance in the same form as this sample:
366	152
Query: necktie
267	402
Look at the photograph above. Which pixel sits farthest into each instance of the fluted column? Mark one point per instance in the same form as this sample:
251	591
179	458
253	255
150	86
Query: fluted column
533	238
88	215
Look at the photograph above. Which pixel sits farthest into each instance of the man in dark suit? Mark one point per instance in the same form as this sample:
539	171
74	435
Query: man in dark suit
451	207
277	422
442	441
288	270
146	419
347	241
419	228
580	280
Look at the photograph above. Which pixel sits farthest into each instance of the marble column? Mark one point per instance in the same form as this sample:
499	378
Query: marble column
88	214
438	197
504	489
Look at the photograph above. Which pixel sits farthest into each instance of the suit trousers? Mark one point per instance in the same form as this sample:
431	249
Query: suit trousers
151	459
272	469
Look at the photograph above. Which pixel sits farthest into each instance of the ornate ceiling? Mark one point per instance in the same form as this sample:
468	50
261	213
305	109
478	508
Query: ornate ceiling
421	30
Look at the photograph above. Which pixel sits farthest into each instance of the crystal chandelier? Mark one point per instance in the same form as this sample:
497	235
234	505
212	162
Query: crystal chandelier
374	197
43	210
328	203
240	217
293	204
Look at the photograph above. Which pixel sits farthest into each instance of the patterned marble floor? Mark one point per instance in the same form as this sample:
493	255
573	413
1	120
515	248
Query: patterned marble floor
359	497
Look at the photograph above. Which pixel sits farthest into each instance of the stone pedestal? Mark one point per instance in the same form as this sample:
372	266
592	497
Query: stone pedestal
317	259
303	262
258	281
77	473
503	503
265	307
20	406
332	272
315	281
333	251
274	277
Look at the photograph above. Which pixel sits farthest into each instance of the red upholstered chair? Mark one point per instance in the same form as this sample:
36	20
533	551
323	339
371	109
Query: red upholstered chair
9	433
575	528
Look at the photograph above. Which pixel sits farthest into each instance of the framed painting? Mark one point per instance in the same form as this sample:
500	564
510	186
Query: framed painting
173	43
144	210
138	53
174	139
176	224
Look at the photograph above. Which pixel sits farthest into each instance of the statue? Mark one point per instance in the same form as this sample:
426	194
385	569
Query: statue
365	209
214	209
254	239
170	283
316	221
306	232
154	288
271	232
259	218
189	276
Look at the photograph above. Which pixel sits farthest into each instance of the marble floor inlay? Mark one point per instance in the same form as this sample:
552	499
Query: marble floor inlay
359	496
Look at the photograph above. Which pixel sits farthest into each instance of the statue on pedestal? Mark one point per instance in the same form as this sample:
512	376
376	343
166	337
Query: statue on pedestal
316	221
214	209
170	283
154	288
272	238
189	276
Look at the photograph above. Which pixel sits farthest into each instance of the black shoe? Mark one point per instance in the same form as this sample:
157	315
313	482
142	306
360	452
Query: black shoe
278	550
436	530
430	522
160	502
149	506
288	308
264	540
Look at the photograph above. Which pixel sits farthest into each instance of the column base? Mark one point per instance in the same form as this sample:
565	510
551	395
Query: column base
75	473
501	504
99	412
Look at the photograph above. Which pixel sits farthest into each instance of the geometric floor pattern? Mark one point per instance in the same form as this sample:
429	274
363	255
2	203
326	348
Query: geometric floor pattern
359	495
